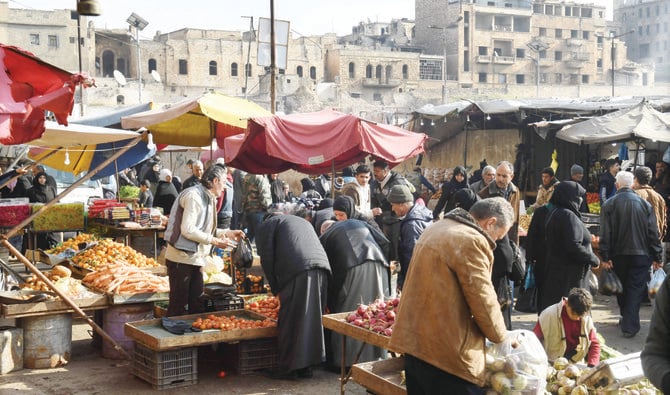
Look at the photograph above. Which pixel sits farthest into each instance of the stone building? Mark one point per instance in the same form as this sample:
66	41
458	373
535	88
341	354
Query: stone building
644	28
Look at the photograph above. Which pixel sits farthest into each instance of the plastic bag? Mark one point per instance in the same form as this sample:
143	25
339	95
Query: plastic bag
523	368
590	282
504	292
242	255
526	302
655	283
609	283
213	264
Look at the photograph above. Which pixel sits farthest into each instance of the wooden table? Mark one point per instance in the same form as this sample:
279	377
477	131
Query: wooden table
19	310
338	323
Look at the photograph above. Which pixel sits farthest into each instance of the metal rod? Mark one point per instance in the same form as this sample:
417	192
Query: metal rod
81	86
273	59
252	34
62	295
139	65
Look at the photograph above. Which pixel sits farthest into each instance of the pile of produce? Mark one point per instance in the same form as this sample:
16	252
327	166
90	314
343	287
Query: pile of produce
212	271
60	276
65	216
73	243
121	278
593	201
229	323
108	251
254	284
265	305
378	316
13	211
129	192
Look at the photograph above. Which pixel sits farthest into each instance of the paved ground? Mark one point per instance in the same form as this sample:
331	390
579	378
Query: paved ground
89	373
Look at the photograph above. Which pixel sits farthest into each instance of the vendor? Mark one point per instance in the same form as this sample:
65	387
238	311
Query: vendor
190	233
606	188
146	198
545	190
566	329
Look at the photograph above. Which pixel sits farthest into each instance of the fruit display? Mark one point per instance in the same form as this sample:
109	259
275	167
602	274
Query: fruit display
265	305
13	211
73	243
121	278
107	251
129	192
229	323
378	316
61	216
254	284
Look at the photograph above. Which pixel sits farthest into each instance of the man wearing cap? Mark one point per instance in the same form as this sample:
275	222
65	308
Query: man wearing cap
414	219
166	192
606	188
577	175
545	190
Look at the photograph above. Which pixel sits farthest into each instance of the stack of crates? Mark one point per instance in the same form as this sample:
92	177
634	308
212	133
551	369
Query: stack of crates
166	369
249	356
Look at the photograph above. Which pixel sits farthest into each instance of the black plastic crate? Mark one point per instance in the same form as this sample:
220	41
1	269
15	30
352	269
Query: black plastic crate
166	369
249	356
228	302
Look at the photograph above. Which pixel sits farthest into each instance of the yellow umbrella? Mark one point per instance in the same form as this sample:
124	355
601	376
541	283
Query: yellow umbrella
195	122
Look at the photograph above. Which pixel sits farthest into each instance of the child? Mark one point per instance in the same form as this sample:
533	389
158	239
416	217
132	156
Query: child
146	198
566	329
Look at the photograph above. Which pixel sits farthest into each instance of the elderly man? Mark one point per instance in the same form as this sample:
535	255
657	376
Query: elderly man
414	219
629	243
577	175
488	175
195	179
444	340
503	187
545	190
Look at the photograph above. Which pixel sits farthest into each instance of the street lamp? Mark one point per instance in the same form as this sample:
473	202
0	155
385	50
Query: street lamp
138	23
612	37
537	46
452	25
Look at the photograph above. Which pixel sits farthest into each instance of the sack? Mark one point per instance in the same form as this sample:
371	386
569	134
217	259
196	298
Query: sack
609	283
504	292
590	282
655	283
242	255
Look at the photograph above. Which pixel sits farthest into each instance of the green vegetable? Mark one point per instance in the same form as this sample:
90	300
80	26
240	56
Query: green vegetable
129	191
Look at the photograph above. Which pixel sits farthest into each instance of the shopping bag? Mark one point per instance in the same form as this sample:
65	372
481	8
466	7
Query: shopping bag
504	292
655	283
590	282
609	283
242	255
526	302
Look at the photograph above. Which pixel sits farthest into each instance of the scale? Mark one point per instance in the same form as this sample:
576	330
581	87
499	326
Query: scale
614	373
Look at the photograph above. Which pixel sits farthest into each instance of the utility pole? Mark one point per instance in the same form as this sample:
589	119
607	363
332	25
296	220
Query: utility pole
612	52
444	55
247	65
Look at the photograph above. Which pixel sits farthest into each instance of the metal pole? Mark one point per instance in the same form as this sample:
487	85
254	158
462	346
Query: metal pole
612	61
444	71
246	74
537	77
273	58
139	65
81	86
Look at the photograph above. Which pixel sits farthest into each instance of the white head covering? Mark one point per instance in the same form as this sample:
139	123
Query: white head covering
164	174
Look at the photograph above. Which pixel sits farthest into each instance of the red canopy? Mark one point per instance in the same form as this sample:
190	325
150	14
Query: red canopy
28	87
312	143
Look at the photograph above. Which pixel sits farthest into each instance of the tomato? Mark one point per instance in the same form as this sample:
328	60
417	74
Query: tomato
222	374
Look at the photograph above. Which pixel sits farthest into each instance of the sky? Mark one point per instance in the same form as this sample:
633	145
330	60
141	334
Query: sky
313	17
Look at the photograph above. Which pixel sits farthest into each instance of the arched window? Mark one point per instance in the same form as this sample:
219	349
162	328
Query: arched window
233	69
248	69
378	71
368	71
312	72
152	65
405	72
212	68
389	72
298	70
352	70
183	66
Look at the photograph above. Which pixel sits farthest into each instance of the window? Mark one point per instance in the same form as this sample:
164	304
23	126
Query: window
483	50
152	65
558	55
585	35
247	68
585	79
543	54
502	78
648	14
639	30
183	66
73	40
568	11
212	68
53	41
574	33
312	72
35	39
543	32
378	71
558	33
646	29
520	79
352	70
233	69
405	72
368	71
558	78
639	13
298	70
377	97
520	53
482	77
543	78
599	41
599	63
429	69
466	60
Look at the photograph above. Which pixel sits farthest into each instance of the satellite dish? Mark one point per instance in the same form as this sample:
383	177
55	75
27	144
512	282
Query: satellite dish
118	76
155	76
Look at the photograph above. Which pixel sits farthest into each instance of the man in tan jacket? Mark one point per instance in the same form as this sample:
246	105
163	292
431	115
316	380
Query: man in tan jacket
449	306
641	187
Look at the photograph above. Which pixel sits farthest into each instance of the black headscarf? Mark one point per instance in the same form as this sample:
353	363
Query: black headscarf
465	198
460	170
307	184
40	193
345	204
567	194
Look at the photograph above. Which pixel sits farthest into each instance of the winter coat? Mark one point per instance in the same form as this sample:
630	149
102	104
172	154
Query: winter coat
449	307
628	227
288	246
380	194
544	194
656	352
607	189
411	227
554	333
658	205
445	202
513	198
166	194
40	193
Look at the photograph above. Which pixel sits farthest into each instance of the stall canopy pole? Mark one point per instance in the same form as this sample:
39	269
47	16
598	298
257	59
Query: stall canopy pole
74	186
63	296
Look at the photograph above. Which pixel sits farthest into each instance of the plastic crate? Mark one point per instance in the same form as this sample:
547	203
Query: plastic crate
166	369
231	302
249	356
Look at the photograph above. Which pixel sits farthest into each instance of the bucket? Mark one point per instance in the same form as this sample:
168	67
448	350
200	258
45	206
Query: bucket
47	341
113	321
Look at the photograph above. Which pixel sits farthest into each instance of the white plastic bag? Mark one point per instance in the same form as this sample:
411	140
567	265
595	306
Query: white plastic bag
525	366
655	283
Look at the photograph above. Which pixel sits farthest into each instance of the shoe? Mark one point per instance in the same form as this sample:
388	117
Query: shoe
627	335
279	375
305	373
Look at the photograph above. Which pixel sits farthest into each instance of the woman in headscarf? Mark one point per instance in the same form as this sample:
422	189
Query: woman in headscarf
276	188
323	213
568	246
42	193
459	180
344	208
309	189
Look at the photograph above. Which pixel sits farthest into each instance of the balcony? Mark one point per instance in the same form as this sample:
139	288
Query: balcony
504	59
574	42
583	56
502	28
574	64
381	82
483	59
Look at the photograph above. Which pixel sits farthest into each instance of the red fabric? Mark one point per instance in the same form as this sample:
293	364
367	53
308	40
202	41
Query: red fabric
312	143
28	87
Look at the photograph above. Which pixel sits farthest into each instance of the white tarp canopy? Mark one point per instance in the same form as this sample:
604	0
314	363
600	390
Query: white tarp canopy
56	135
641	121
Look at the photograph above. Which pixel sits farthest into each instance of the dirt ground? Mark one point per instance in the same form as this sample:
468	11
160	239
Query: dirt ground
89	373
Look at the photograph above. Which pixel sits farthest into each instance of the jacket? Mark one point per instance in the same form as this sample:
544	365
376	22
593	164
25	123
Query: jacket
513	198
411	227
656	352
256	193
628	227
380	193
658	205
607	186
544	194
554	333
449	307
